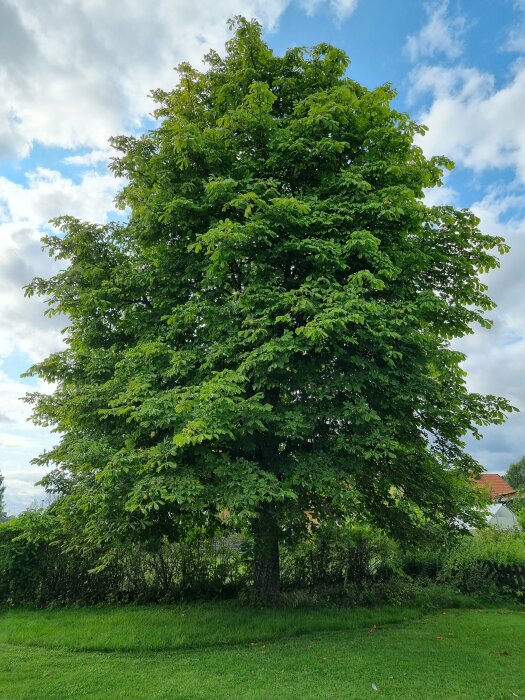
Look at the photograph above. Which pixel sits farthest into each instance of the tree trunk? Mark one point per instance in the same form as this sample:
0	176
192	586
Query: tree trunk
266	575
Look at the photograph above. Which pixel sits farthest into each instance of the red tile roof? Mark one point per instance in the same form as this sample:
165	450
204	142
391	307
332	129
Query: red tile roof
495	485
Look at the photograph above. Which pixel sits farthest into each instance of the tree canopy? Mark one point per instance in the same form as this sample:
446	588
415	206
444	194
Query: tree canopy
515	475
266	339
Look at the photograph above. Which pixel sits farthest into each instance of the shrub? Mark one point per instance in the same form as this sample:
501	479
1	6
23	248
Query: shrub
20	562
348	556
43	564
491	563
518	507
423	562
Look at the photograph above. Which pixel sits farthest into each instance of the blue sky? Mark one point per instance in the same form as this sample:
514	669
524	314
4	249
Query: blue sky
74	73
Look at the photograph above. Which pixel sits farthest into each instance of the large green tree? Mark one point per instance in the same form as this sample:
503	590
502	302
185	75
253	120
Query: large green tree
267	338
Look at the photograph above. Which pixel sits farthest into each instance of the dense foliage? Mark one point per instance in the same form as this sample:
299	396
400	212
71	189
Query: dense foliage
44	563
515	475
266	340
492	562
517	506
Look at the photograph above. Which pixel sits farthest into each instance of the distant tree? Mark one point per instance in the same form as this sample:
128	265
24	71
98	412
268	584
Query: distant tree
3	513
268	336
515	475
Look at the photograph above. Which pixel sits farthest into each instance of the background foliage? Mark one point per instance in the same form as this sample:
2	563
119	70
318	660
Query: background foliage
43	563
516	475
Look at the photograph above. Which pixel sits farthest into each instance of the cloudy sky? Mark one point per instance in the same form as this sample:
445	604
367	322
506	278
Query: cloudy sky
74	72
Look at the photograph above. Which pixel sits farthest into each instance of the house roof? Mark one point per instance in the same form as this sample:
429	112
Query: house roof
495	485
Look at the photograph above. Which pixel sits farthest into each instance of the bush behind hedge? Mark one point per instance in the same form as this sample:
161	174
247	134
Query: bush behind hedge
491	562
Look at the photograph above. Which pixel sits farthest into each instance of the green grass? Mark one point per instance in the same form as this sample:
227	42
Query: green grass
172	628
224	651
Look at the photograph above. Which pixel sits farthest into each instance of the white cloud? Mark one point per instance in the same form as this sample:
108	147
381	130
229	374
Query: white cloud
48	193
24	213
27	335
437	196
91	158
442	34
341	9
75	73
473	121
19	443
516	40
516	35
478	124
495	358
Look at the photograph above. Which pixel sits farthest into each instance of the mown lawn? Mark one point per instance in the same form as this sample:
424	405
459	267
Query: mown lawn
224	651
